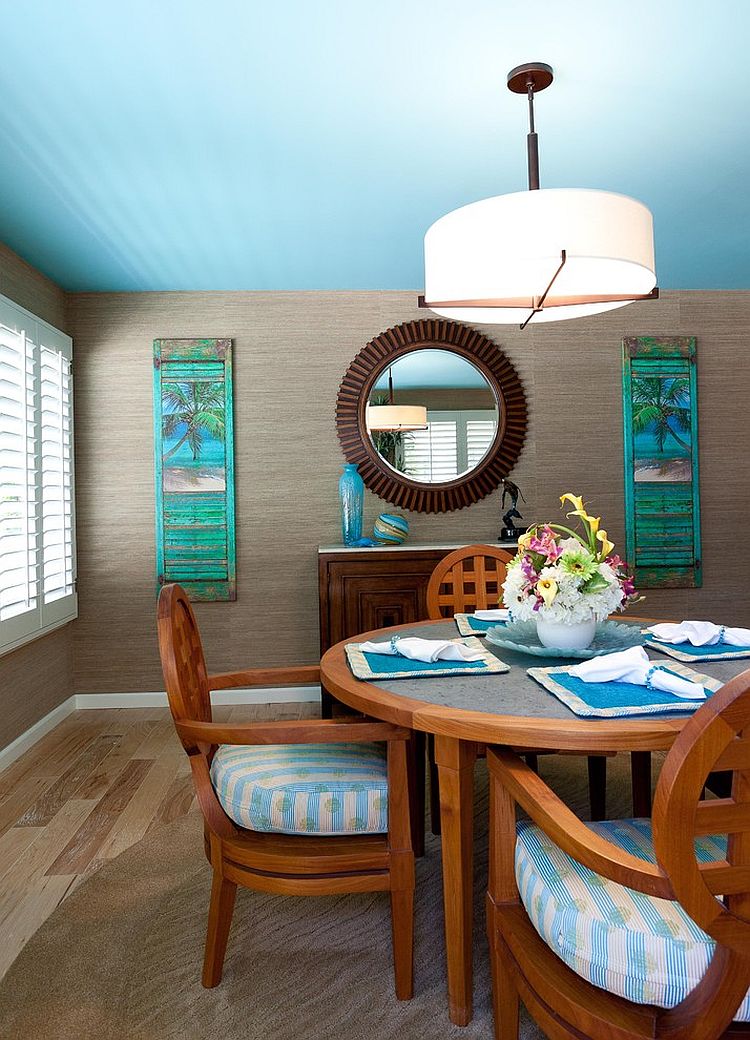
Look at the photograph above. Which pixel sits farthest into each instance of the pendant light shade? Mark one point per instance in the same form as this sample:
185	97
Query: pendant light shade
542	254
509	247
396	417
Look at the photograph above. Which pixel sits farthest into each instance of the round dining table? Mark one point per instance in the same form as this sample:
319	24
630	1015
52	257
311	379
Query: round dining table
466	712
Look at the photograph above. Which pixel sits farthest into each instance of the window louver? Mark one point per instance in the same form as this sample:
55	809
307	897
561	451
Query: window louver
37	549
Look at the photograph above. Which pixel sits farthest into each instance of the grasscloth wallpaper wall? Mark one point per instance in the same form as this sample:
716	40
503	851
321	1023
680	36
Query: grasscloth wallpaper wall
39	676
291	350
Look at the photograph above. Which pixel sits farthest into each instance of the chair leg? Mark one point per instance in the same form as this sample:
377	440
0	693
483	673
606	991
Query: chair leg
402	930
640	769
598	786
219	922
505	1001
434	787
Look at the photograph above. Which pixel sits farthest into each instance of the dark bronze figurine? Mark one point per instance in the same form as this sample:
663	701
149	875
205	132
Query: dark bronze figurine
510	530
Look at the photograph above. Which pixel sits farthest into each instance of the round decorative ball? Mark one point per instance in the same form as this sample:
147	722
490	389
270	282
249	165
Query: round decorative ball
391	528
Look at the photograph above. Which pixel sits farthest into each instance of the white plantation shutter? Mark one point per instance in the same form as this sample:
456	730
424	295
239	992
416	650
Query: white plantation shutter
454	442
479	435
431	454
37	546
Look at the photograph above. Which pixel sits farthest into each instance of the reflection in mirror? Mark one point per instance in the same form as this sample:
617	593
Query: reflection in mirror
462	416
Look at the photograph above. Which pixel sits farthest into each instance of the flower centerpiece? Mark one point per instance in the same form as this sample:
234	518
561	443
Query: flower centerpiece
566	579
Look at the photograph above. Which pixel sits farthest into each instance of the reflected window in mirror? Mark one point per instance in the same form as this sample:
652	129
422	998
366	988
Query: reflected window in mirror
462	416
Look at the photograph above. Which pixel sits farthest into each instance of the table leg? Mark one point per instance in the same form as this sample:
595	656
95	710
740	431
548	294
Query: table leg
416	771
455	761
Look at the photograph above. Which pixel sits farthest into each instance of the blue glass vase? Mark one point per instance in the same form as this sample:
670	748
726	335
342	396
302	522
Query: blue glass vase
352	495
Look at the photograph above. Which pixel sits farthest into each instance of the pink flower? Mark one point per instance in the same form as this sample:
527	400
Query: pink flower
628	587
615	562
529	573
546	545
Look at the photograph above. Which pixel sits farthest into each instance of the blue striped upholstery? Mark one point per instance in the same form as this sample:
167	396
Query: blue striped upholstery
637	946
304	788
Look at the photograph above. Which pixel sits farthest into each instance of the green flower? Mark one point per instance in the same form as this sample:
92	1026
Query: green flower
578	562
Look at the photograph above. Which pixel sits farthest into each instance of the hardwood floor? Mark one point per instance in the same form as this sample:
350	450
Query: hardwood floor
87	791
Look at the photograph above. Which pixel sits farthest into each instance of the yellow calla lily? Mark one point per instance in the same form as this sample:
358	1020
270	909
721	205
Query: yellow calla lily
607	546
593	522
523	541
575	500
547	589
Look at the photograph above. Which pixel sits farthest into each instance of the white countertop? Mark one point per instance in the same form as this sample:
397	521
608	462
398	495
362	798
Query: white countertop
409	545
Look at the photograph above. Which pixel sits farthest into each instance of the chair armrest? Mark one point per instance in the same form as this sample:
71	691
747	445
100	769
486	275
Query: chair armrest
304	731
285	676
570	833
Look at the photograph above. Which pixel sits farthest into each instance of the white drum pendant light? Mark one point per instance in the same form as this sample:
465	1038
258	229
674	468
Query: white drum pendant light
395	417
542	254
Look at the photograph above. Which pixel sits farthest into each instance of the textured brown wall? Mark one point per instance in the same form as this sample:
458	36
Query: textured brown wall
291	350
39	676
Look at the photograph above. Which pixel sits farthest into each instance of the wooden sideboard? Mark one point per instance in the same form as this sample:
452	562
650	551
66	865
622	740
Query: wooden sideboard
362	589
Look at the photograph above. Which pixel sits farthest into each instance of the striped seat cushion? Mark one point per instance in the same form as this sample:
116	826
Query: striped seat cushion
304	788
628	943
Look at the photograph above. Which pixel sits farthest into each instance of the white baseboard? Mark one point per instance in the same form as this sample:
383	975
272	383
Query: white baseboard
85	701
34	733
255	695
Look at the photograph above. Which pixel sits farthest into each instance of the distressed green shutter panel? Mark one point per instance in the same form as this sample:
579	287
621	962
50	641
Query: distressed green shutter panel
194	466
662	501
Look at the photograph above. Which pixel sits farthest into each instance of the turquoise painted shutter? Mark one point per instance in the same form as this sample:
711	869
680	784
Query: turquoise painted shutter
662	500
193	434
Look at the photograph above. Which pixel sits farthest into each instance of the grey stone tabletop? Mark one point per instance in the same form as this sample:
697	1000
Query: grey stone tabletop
514	692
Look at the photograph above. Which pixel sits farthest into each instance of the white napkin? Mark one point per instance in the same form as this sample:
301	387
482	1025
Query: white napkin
633	666
424	649
499	614
701	633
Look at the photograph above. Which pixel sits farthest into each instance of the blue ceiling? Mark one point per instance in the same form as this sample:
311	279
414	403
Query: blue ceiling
308	144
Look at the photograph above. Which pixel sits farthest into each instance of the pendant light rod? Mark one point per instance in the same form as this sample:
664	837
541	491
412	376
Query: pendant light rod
532	143
528	79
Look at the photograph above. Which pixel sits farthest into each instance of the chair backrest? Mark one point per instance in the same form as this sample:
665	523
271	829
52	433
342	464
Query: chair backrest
182	659
466	580
715	894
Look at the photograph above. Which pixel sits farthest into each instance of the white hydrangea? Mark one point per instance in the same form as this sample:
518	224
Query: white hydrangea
570	604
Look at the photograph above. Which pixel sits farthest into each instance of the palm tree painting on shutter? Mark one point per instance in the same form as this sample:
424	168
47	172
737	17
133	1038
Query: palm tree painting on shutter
195	543
662	501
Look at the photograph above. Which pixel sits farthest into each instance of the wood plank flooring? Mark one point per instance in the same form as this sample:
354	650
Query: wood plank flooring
86	792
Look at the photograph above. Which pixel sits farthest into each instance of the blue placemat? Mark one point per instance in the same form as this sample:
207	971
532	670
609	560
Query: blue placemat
613	699
393	666
688	652
468	625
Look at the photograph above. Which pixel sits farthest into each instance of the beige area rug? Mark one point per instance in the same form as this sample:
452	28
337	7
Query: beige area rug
121	957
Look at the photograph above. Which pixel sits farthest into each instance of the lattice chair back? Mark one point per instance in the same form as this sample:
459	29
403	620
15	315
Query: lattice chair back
182	658
466	580
715	894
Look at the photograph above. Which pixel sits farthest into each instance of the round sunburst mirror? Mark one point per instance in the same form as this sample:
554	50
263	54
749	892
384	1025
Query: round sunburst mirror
433	414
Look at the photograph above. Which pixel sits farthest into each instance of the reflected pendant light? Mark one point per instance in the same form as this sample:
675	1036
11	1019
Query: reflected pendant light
395	417
542	254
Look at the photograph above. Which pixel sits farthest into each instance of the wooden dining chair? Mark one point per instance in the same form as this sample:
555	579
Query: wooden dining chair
634	928
309	807
469	579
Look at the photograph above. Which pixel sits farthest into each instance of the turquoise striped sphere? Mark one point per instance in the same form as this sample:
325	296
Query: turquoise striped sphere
391	528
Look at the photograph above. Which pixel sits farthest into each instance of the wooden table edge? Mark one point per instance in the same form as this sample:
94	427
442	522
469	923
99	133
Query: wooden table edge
619	733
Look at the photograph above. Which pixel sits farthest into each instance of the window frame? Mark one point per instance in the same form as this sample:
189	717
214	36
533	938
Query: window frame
30	625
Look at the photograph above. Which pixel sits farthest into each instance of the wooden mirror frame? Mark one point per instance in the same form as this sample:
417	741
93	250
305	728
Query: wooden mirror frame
357	445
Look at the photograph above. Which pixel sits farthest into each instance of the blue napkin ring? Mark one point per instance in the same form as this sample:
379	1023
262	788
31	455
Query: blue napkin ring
394	640
649	673
722	630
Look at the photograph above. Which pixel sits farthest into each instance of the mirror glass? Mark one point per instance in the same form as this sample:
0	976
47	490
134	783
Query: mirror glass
462	416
